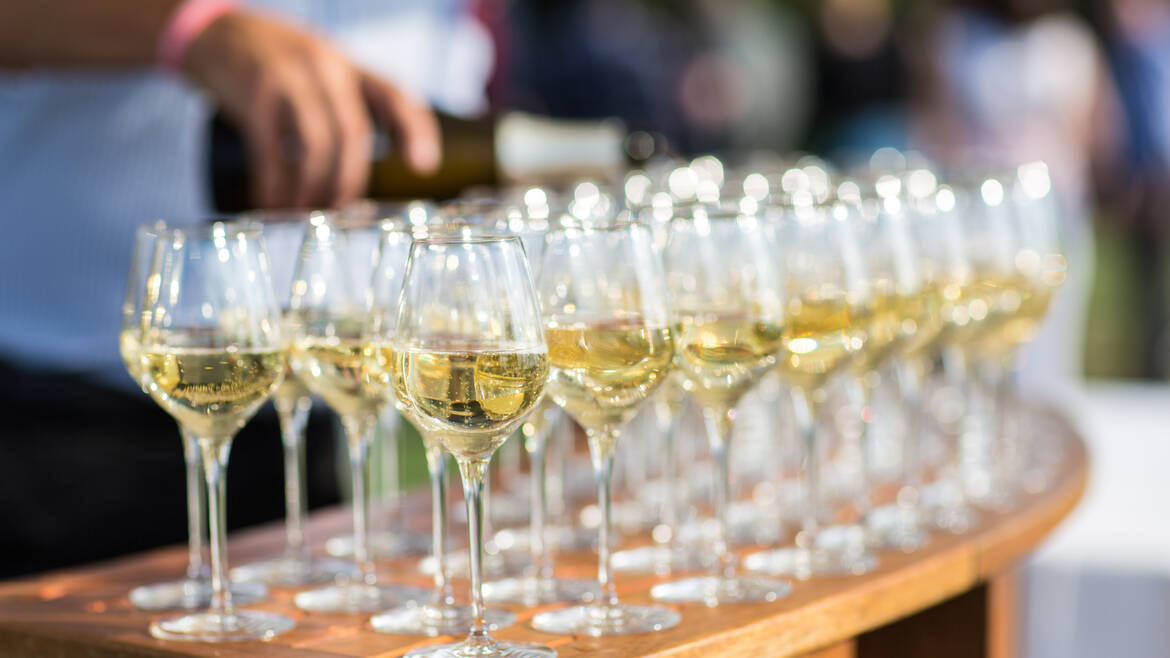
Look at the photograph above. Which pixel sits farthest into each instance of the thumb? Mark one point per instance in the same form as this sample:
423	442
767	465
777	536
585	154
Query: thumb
415	128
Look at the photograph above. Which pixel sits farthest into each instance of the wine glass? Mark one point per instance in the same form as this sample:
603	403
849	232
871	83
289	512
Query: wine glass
283	233
668	553
390	540
211	353
1017	249
608	327
1042	269
987	298
538	585
828	308
194	591
327	312
940	248
440	616
727	291
470	361
899	309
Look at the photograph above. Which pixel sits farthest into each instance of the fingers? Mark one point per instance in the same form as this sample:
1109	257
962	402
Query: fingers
310	139
414	125
304	110
349	121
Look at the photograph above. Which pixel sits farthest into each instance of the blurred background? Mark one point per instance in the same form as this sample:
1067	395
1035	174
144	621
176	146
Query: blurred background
1083	85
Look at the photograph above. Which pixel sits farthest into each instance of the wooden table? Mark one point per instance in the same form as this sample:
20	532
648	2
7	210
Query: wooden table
954	598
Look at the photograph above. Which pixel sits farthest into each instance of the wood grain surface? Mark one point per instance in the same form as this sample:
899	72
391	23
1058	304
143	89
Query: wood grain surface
85	611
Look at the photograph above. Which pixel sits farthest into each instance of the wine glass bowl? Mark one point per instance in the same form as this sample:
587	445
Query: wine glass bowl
727	295
608	327
211	353
470	362
327	316
827	311
283	234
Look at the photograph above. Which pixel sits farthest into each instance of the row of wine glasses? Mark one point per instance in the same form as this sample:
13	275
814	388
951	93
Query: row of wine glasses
691	298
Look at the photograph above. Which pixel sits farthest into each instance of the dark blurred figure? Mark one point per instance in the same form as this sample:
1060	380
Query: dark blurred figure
1003	82
1136	181
104	108
710	75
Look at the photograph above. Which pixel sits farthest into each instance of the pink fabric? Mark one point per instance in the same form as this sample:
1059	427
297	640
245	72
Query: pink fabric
187	22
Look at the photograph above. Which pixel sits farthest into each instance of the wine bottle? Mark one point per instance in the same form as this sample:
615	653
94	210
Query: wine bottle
512	148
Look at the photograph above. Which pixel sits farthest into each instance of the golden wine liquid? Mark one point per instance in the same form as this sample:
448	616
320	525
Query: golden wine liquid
601	373
535	425
382	360
724	356
671	395
291	389
893	320
928	325
472	400
820	335
212	391
131	349
335	368
1023	306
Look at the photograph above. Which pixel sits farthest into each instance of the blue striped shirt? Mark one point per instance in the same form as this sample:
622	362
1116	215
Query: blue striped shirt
87	157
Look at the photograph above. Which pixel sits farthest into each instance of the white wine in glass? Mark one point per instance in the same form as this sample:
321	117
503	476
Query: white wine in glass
724	280
610	346
194	591
327	312
472	361
211	353
441	615
826	314
283	233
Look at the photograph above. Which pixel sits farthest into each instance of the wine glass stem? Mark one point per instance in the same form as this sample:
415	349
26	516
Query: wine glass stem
215	456
863	398
292	433
389	453
910	386
474	474
601	451
437	469
555	494
359	434
196	505
956	374
1006	436
804	415
719	427
541	564
674	485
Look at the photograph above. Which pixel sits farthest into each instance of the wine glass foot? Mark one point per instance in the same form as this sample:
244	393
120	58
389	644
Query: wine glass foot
383	545
433	621
946	509
712	591
597	621
896	527
506	510
505	564
190	594
571	539
358	598
1002	498
214	627
532	592
294	572
660	560
750	523
804	563
484	648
